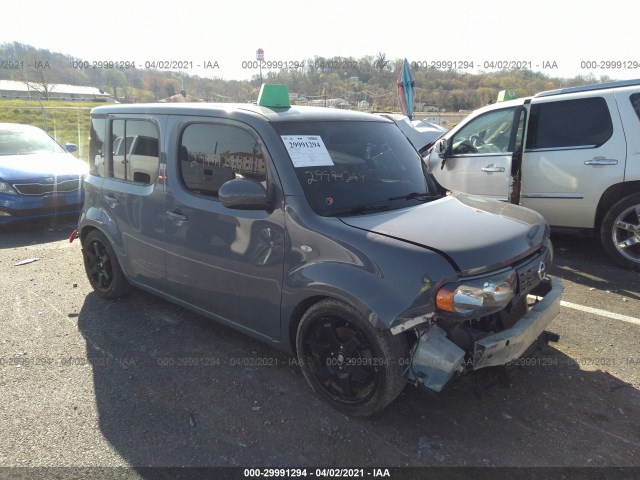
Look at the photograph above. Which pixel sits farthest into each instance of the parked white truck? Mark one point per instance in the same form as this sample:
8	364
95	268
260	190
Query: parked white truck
572	155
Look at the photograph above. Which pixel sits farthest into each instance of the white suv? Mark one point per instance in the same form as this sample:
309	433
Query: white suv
572	155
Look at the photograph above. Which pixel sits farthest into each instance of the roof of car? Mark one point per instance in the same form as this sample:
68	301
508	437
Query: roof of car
288	114
17	127
588	88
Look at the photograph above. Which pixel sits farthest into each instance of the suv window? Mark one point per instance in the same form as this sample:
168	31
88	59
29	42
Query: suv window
635	101
570	123
212	154
135	152
489	133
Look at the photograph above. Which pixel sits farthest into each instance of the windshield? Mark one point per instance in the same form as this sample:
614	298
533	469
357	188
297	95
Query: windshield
20	141
356	167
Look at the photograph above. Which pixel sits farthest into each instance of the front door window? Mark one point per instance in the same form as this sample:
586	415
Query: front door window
487	134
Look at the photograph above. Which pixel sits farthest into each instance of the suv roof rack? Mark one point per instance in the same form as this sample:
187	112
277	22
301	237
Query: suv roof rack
587	88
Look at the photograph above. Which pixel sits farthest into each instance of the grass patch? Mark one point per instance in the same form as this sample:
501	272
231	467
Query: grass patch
67	122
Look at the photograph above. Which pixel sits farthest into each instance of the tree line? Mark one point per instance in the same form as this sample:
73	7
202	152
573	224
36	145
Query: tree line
369	81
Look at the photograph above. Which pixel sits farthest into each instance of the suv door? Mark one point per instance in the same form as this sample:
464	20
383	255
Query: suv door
575	149
478	158
227	262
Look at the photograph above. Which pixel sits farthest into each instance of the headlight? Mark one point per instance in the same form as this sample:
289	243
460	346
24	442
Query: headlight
478	297
6	188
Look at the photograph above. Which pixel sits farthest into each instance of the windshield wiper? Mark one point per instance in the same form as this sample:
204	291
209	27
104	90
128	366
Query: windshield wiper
359	209
418	195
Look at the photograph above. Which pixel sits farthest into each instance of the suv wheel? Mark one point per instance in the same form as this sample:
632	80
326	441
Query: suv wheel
352	366
102	267
620	232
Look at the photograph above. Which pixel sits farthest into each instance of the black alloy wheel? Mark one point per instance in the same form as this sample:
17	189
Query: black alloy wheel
102	267
341	359
352	366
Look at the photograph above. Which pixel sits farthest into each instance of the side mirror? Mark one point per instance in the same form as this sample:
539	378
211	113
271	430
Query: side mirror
243	194
71	147
441	147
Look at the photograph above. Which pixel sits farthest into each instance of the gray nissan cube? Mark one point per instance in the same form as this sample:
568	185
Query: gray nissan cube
318	231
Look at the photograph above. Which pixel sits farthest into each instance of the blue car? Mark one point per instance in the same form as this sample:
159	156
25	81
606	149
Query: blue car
38	177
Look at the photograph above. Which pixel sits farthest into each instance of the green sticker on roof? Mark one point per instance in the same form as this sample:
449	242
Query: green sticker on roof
273	96
504	95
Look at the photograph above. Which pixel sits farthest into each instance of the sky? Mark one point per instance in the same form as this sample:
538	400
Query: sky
567	37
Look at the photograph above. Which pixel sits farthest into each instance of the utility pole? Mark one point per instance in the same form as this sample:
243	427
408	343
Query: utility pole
260	59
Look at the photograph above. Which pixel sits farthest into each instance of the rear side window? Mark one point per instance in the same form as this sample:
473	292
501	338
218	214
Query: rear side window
211	155
96	144
134	151
583	123
635	101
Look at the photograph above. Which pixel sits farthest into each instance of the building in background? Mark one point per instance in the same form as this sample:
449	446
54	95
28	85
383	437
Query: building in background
11	89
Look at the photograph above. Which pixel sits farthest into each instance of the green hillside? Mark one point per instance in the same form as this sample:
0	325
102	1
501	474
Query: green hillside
67	122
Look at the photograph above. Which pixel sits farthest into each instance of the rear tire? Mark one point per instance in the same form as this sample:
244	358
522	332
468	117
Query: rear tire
620	232
352	366
102	267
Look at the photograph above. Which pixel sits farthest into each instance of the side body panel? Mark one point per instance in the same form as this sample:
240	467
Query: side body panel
628	100
479	156
388	280
565	184
224	261
132	215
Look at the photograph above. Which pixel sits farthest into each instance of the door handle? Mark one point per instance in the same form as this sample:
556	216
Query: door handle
111	200
177	218
490	169
601	161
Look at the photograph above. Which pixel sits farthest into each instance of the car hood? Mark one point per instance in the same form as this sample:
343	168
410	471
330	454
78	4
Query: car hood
475	234
419	137
35	165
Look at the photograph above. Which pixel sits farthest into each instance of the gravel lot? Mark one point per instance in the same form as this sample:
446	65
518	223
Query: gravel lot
88	382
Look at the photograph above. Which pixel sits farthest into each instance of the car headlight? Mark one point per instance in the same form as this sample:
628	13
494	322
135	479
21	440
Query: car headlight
478	297
6	188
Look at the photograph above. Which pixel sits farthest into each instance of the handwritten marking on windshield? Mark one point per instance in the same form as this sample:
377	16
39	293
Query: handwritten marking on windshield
314	176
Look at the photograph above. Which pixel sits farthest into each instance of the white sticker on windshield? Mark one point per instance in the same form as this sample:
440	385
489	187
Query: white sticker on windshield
307	150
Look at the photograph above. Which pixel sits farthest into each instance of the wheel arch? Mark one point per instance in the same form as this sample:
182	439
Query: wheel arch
85	231
305	304
101	265
612	195
302	305
385	300
351	389
296	316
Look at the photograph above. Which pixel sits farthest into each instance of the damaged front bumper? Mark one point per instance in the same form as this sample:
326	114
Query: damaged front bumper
510	344
436	358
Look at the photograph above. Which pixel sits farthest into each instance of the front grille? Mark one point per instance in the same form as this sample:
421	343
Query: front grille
531	273
64	186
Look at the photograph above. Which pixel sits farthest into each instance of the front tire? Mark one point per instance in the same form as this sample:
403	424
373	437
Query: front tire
102	267
620	232
352	366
